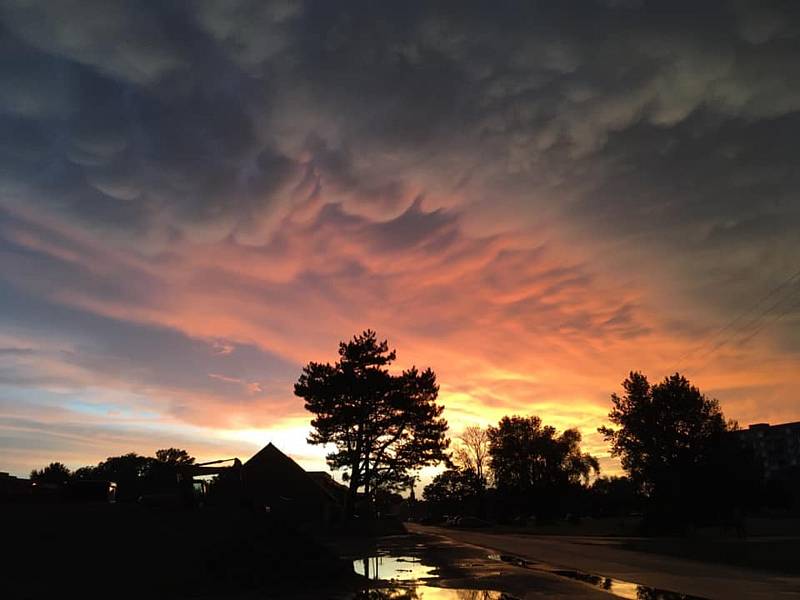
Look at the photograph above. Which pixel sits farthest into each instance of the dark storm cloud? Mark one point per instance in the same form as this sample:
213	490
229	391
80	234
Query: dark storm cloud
142	126
177	111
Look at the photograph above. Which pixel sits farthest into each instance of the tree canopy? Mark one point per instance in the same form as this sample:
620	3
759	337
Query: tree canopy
55	472
662	429
383	426
673	444
614	496
533	466
453	489
132	472
174	456
525	454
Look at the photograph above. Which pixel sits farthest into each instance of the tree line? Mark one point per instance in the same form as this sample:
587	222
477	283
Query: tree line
684	465
133	473
516	469
682	462
681	459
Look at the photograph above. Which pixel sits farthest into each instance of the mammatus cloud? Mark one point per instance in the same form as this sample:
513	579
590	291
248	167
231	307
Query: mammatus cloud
194	203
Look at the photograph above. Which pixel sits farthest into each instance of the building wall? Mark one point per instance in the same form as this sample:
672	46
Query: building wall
272	479
776	446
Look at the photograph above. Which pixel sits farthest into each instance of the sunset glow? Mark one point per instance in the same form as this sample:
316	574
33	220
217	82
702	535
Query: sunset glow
188	218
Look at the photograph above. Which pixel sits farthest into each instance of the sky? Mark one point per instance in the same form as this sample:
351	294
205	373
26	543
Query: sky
533	199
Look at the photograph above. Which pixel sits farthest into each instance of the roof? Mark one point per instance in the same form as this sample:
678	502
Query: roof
764	427
326	481
273	465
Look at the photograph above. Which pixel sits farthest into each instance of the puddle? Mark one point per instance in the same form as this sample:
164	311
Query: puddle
393	568
426	592
408	571
618	587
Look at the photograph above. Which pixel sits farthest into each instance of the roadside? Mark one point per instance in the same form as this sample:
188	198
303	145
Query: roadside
770	544
777	555
610	558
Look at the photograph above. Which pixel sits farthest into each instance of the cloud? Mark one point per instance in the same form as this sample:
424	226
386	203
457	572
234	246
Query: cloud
253	112
194	201
112	37
250	32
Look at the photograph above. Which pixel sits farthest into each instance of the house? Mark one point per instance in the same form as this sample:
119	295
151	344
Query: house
272	480
327	482
14	489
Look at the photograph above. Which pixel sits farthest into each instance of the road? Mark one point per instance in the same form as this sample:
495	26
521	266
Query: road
605	557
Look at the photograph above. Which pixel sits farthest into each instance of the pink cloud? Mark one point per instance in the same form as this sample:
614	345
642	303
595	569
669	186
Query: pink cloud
508	324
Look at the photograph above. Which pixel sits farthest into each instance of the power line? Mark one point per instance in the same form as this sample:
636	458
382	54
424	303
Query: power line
758	329
775	319
736	320
752	322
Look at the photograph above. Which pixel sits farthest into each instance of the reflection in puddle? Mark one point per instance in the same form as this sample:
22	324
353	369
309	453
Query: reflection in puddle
426	592
392	568
409	570
617	587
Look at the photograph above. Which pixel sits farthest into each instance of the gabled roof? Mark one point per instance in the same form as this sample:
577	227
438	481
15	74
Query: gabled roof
268	453
278	467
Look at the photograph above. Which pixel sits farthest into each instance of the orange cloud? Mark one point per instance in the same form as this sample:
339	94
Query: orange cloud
509	326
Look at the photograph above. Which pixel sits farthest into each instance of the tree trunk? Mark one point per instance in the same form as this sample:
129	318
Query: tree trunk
350	501
355	475
366	480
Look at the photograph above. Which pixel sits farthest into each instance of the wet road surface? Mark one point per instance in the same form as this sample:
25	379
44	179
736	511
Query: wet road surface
431	567
605	558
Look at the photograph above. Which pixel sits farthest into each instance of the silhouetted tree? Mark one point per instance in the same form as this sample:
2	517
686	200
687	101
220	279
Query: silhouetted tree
668	436
128	471
133	474
454	491
472	452
174	456
612	496
533	466
383	426
85	473
162	471
55	472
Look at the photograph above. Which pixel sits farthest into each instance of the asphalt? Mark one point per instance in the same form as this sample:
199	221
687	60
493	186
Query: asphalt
606	558
448	570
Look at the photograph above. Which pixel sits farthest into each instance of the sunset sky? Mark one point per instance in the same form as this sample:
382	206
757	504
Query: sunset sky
197	198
